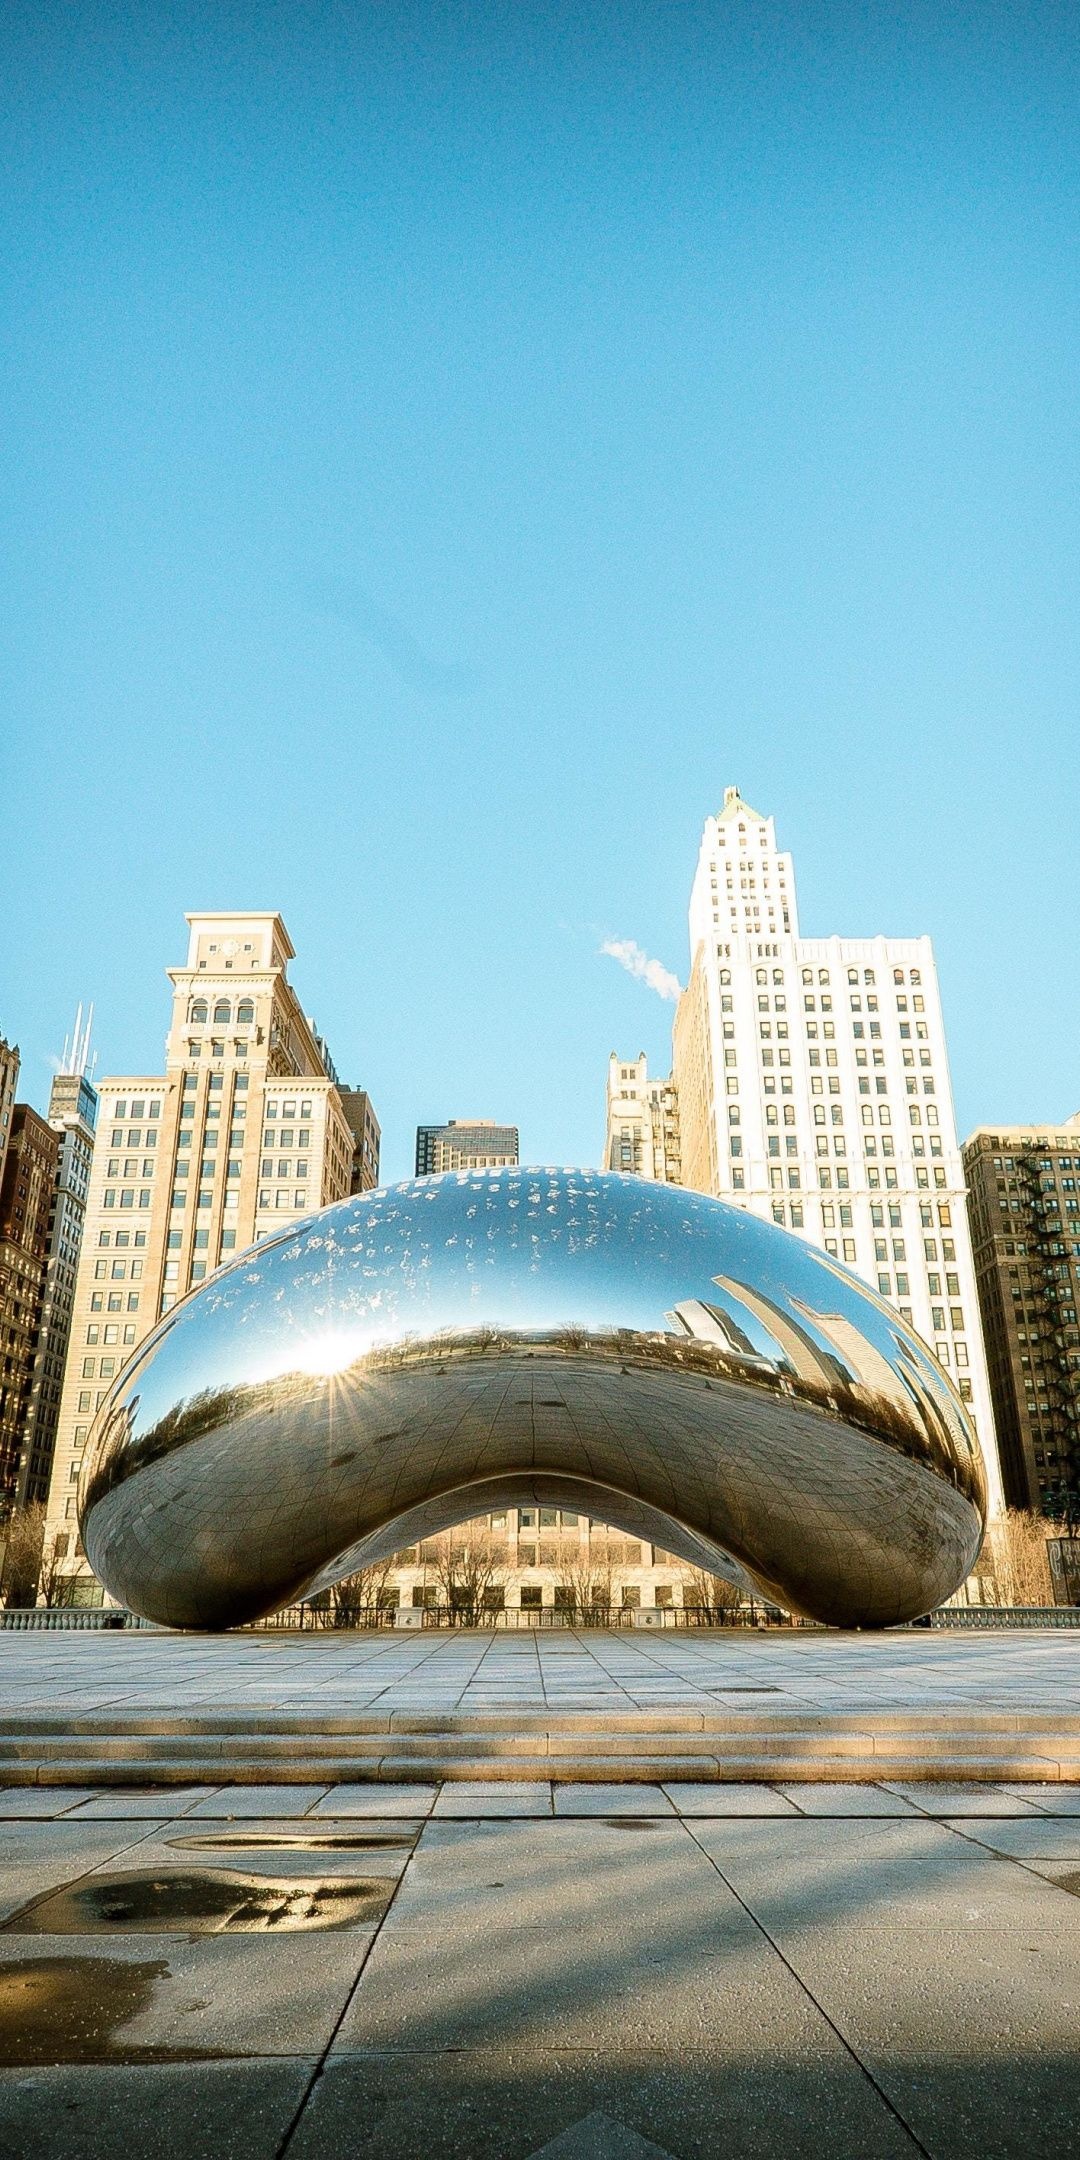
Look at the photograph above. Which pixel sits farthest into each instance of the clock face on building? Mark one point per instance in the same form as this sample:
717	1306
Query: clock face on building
230	948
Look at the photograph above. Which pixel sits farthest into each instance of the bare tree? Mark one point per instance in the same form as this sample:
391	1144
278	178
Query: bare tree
24	1539
56	1587
1019	1565
586	1569
357	1593
712	1595
466	1563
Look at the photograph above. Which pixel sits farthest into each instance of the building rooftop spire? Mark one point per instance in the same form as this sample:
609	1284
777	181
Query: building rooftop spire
75	1056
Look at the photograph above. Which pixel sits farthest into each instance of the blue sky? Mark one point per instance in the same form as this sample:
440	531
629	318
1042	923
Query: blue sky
444	445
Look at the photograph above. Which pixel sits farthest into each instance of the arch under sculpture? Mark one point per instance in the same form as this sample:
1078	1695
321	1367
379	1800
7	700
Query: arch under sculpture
648	1356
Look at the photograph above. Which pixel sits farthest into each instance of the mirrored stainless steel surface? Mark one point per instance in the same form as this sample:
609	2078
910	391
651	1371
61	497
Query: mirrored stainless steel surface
646	1355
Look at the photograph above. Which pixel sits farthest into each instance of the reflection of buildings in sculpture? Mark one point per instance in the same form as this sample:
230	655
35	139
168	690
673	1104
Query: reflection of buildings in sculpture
541	1557
242	1134
812	1087
866	1365
711	1324
795	1345
642	1135
465	1144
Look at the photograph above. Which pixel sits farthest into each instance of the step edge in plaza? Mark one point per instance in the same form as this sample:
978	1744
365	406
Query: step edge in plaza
213	1749
417	1769
243	1723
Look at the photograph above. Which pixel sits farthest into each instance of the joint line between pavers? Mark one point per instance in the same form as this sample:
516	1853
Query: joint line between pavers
807	1990
294	2122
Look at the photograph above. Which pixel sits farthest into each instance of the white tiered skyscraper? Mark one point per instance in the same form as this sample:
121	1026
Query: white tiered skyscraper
813	1087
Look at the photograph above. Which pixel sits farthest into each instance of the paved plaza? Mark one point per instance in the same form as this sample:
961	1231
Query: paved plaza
602	1974
458	1670
508	1969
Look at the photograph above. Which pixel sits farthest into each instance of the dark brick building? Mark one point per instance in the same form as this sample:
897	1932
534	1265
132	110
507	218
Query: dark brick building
1024	1205
26	1200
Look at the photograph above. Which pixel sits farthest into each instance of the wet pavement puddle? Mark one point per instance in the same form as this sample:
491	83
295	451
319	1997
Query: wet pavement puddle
295	1841
63	2010
199	1902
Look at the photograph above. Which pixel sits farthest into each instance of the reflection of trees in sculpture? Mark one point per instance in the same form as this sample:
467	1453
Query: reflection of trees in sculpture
466	1563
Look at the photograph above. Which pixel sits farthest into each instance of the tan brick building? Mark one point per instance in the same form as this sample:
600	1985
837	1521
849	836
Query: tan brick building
243	1133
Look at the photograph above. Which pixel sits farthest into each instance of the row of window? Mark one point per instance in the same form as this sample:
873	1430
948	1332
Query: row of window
217	1047
913	976
110	1333
827	1173
199	1012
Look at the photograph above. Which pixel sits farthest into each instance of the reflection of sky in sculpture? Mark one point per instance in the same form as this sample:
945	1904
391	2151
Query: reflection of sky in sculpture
521	1251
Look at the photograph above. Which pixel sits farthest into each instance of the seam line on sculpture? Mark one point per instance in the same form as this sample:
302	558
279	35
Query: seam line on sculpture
297	2117
802	1984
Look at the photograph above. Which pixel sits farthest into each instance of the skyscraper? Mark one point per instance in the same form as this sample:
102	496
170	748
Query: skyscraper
72	1115
464	1144
642	1135
1024	1204
9	1080
813	1087
367	1137
243	1133
26	1192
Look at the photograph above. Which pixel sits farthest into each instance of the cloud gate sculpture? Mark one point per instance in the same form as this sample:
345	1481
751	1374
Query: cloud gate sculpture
648	1356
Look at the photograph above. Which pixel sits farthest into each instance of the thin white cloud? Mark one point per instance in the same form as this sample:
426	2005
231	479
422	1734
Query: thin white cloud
638	963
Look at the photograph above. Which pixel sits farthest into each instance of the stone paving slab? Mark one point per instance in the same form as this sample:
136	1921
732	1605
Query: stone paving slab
1038	1838
880	1874
236	1800
995	1802
611	1800
380	1799
529	2104
177	2111
35	1857
730	1799
974	2041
